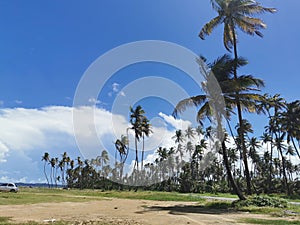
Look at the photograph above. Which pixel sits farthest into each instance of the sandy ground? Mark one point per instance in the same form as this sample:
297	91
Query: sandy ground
123	212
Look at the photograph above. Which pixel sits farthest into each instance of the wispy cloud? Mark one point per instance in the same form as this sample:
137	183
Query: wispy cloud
94	101
115	87
116	90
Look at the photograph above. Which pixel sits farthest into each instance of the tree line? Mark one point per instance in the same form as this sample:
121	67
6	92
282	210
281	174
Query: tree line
242	164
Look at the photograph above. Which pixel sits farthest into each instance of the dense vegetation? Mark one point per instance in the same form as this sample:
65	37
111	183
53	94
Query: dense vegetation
242	163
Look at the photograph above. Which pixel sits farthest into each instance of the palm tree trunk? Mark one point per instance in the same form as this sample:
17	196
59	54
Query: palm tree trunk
46	175
240	118
136	155
233	184
294	144
143	151
271	165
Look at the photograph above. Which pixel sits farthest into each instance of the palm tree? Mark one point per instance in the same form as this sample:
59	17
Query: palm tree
52	162
46	159
273	103
279	143
190	134
290	123
136	118
62	165
104	158
267	138
179	138
121	148
233	14
222	70
146	130
253	145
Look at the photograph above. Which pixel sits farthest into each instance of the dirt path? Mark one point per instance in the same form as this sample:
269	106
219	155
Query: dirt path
123	212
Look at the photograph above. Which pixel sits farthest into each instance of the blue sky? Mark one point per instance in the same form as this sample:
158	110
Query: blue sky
45	48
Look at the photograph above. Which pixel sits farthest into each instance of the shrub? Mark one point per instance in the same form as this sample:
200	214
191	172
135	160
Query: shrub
261	201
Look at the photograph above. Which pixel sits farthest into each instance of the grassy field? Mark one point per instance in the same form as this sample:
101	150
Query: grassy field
39	195
42	195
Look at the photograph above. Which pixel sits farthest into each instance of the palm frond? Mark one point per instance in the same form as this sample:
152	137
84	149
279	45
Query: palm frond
208	27
188	102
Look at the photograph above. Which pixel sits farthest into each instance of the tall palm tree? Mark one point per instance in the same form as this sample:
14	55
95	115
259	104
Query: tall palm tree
179	139
146	131
253	145
222	69
290	123
46	159
233	14
136	118
104	158
52	163
267	138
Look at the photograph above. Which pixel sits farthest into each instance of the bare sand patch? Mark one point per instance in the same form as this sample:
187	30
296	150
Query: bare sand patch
123	212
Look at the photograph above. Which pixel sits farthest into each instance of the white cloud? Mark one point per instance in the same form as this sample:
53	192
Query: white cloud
94	101
115	87
115	90
178	124
3	152
26	134
122	93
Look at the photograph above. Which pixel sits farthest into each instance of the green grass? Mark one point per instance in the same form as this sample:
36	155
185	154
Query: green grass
4	220
223	195
216	204
292	198
152	195
41	195
271	222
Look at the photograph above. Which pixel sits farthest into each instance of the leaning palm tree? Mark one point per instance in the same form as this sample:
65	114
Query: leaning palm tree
46	159
122	149
233	14
222	70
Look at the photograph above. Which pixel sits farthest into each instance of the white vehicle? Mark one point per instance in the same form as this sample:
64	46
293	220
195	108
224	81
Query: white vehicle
9	187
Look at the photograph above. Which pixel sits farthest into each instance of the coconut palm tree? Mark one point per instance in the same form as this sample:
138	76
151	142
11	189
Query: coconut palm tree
233	14
253	145
146	131
136	118
290	123
46	159
52	163
272	105
121	148
104	158
179	139
222	69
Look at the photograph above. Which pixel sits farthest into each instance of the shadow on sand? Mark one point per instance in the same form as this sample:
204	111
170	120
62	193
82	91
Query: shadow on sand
186	209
